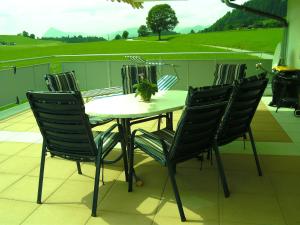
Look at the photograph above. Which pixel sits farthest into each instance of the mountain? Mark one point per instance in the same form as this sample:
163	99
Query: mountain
236	19
187	30
55	33
132	33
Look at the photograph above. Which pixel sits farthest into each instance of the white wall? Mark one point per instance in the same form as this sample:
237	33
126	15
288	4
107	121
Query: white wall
293	53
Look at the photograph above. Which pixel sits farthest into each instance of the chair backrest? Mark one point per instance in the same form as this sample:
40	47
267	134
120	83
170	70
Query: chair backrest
243	103
199	121
63	123
62	82
130	76
228	73
166	82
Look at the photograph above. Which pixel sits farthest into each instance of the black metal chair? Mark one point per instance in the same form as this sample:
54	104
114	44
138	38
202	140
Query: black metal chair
67	134
228	73
195	133
243	103
66	81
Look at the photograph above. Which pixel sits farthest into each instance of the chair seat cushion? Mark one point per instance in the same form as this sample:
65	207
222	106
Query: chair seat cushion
109	141
96	121
152	146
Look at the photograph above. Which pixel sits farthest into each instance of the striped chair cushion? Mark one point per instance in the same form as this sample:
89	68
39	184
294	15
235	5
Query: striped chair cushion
228	73
166	82
152	146
109	141
62	82
102	92
130	76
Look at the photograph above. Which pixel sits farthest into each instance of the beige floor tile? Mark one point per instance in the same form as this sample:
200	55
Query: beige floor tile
249	183
188	179
78	194
11	148
162	220
137	202
18	127
7	180
286	183
290	205
19	165
58	215
281	164
3	158
199	205
113	218
26	189
250	208
14	212
154	179
4	124
111	173
33	150
56	168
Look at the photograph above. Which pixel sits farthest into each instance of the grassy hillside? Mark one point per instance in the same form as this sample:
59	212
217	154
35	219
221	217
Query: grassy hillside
257	40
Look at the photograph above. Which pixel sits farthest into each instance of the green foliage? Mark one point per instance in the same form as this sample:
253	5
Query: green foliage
145	89
125	34
118	37
192	31
143	31
32	36
25	34
237	19
161	18
76	39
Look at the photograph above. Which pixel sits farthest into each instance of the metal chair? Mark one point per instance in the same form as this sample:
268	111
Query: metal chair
195	133
236	122
228	73
67	134
64	82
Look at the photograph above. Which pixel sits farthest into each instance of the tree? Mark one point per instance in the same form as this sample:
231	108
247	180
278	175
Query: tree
161	18
143	31
32	36
192	31
25	34
125	34
118	37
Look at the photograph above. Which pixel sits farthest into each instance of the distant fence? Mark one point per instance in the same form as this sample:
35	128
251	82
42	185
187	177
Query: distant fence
98	74
15	82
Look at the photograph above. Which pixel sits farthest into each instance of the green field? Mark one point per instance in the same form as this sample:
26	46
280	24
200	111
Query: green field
264	40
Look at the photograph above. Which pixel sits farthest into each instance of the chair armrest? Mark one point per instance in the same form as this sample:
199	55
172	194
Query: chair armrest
104	135
150	135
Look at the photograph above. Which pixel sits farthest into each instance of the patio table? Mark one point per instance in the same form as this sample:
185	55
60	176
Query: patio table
128	107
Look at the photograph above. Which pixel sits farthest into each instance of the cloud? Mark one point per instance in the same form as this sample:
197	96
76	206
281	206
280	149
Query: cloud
97	16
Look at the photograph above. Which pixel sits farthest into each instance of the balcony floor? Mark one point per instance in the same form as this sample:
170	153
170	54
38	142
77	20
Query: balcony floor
273	199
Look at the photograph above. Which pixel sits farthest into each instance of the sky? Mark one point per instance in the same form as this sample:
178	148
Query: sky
98	17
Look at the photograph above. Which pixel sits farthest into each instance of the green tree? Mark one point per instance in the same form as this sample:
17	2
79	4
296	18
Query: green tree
192	31
32	36
118	37
143	31
25	34
125	34
161	18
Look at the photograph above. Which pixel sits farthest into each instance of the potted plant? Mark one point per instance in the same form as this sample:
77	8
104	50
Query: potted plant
145	89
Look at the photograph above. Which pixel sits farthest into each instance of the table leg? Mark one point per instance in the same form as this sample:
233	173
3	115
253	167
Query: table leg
169	121
127	136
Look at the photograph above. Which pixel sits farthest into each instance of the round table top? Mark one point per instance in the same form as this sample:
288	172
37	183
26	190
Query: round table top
129	106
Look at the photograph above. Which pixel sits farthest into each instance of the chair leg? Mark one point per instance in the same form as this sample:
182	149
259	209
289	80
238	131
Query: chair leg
96	186
244	140
125	161
131	161
255	153
41	178
158	123
221	171
176	192
78	167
